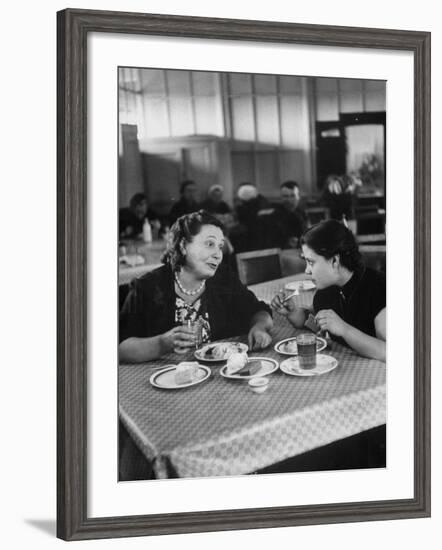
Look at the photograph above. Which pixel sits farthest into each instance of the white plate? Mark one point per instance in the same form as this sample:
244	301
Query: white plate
165	378
301	285
201	354
321	344
267	367
324	363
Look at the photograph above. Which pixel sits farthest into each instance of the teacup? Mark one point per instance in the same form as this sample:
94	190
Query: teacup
259	384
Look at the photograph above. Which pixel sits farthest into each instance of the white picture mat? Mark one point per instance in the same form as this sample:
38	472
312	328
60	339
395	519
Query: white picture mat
106	496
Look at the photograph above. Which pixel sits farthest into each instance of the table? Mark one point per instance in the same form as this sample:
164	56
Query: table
291	261
266	291
150	252
220	427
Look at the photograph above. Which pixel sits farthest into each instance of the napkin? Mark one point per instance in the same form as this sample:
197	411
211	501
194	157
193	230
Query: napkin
312	324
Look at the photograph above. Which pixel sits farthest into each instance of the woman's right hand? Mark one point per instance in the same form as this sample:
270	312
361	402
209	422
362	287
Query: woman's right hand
178	337
280	306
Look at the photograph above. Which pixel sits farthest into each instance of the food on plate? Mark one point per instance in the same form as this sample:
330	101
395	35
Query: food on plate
221	351
217	351
290	347
251	368
186	372
235	362
240	364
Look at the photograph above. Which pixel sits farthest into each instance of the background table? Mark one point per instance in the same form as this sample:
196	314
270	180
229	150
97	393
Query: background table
266	291
291	262
220	427
151	254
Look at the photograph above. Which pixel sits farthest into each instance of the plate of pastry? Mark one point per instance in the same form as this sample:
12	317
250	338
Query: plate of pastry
219	351
183	375
241	367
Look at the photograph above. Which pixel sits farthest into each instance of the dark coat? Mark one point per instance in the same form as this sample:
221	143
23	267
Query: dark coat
358	302
149	308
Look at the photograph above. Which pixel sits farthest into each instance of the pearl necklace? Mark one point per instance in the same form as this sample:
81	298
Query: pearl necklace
189	292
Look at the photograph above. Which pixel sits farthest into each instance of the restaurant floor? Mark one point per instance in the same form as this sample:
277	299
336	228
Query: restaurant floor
361	451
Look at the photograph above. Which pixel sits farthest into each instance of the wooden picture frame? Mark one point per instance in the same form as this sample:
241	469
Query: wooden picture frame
74	26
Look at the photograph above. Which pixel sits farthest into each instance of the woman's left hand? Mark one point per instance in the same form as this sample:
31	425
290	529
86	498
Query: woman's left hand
329	320
259	338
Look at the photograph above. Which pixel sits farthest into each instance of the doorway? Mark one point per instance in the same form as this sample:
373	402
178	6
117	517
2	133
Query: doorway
354	143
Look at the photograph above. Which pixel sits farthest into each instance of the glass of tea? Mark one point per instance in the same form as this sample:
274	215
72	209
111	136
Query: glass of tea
306	350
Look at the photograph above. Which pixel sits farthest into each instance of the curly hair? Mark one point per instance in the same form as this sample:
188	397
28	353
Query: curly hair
183	231
330	238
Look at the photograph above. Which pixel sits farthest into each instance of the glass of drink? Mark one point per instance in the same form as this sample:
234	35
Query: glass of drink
180	349
196	329
185	347
306	350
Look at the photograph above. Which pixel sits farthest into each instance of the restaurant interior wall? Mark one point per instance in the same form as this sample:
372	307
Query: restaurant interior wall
228	128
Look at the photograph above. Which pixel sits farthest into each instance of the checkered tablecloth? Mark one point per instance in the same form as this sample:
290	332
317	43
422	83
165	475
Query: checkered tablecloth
220	427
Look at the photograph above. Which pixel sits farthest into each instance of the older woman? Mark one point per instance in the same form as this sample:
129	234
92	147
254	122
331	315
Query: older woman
350	301
191	285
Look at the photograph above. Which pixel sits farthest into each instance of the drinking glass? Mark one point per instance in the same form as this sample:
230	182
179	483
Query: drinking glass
195	327
306	350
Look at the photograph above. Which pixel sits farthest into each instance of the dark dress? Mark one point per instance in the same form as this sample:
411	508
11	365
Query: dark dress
358	302
149	308
288	224
252	232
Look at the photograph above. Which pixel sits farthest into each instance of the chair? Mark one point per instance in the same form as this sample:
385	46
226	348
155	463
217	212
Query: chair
259	266
370	221
372	239
317	214
374	256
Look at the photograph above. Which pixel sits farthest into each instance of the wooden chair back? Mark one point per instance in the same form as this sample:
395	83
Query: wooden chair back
258	266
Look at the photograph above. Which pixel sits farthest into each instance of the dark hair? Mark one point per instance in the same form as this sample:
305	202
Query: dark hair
185	184
184	229
291	184
330	238
137	199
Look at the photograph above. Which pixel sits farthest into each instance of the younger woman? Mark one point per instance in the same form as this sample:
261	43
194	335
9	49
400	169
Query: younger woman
350	301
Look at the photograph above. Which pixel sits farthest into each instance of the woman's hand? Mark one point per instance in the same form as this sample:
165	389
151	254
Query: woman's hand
258	338
329	320
178	337
281	307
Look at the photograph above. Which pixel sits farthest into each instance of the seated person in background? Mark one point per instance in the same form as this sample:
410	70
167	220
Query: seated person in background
191	285
290	219
350	301
338	198
214	203
250	204
131	219
187	202
251	208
